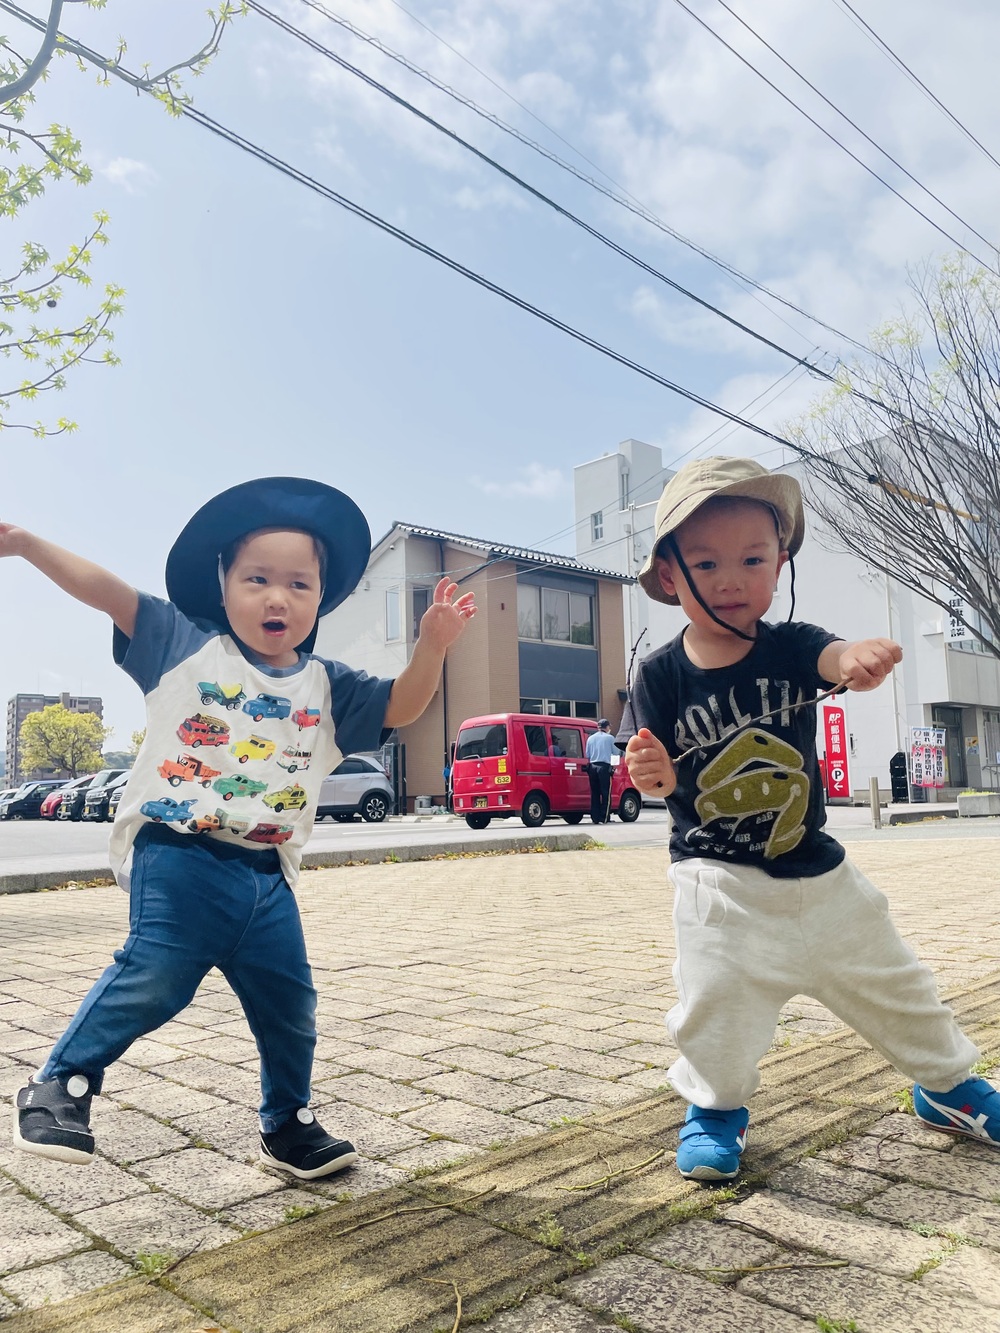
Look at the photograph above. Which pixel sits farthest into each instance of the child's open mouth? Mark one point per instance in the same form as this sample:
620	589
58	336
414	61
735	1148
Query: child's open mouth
274	627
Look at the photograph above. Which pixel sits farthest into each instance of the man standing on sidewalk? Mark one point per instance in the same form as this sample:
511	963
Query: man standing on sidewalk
600	747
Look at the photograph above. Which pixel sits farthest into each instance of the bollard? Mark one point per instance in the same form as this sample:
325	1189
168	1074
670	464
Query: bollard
876	808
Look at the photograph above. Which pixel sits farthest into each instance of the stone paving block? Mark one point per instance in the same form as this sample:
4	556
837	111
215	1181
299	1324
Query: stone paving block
648	1080
555	1112
559	1034
943	1170
275	1210
133	1307
377	1094
372	1134
31	1233
58	1281
365	1177
903	1128
562	1083
388	1064
944	1211
509	1023
205	1179
662	1300
130	1136
578	1020
841	1235
231	1130
168	1101
544	1314
490	1064
434	1155
469	1124
227	1049
711	1249
970	1273
816	1179
147	1052
222	1080
408	1043
875	1302
154	1224
70	1188
487	1092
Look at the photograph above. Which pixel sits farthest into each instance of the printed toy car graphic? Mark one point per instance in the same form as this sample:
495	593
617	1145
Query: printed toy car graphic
230	696
221	819
187	768
254	747
167	810
306	717
293	758
237	785
203	729
267	705
272	833
291	798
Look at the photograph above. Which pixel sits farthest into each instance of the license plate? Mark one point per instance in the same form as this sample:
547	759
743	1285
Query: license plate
479	803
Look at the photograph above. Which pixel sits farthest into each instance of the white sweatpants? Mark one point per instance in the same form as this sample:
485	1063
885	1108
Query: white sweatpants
746	943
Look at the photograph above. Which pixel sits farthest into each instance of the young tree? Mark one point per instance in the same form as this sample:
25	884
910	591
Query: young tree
56	738
39	347
902	459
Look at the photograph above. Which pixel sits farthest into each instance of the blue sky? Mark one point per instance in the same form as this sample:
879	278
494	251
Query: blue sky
267	331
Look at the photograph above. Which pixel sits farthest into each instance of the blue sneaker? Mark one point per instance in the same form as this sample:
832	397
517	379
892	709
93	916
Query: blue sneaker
972	1110
711	1143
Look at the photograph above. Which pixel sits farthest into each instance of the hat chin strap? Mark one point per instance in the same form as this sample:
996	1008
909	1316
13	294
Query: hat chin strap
676	553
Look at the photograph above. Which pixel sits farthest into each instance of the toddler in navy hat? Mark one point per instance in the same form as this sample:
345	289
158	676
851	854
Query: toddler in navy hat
243	723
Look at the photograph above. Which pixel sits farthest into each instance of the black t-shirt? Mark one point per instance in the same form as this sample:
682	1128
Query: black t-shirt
756	798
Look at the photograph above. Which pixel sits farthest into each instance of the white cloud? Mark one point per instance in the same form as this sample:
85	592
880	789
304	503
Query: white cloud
133	177
535	482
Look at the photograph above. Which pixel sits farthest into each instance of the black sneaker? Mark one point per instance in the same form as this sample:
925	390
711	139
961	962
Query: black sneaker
303	1148
52	1119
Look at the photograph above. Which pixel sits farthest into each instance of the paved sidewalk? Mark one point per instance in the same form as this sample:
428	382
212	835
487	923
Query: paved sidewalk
492	1038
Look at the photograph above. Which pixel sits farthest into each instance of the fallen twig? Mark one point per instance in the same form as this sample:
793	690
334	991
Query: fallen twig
439	1282
622	1171
770	1268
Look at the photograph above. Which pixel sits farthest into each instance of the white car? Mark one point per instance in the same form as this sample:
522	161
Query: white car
359	785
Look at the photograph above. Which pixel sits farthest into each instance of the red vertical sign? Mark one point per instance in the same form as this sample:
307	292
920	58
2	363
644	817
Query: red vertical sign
838	782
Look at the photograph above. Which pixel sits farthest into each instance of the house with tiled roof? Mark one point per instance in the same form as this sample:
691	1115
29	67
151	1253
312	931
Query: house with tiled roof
547	638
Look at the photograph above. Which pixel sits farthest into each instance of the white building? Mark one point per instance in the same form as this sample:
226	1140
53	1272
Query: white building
945	680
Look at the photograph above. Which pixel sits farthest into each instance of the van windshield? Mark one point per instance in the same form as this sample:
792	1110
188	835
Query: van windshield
485	742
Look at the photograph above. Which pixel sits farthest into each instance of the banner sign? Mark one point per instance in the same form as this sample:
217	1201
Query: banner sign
838	783
927	756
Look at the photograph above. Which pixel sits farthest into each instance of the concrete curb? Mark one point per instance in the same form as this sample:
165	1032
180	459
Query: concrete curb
39	880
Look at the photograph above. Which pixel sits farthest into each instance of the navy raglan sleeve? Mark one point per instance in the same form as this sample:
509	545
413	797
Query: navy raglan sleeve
358	704
806	642
163	638
650	703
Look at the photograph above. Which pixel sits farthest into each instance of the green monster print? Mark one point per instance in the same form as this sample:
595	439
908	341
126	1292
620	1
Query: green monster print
730	791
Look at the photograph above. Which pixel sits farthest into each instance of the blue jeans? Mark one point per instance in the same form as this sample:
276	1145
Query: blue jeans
195	905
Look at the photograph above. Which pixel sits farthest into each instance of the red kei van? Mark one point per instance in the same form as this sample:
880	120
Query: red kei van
530	765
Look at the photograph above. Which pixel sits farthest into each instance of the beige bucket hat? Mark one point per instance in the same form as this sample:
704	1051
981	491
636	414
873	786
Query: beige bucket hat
706	478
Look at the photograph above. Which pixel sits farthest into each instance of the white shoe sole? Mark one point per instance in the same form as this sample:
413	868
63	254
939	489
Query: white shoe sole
57	1151
708	1173
339	1164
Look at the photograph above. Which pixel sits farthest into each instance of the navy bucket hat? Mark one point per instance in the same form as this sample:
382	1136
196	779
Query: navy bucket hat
192	573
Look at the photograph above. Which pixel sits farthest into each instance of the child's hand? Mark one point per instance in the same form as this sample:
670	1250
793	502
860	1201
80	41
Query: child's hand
864	665
444	620
12	540
649	765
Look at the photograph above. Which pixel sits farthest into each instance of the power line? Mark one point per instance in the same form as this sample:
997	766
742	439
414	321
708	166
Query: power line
622	199
833	138
854	125
577	221
915	79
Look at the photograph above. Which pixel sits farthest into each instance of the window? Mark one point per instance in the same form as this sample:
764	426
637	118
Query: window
582	709
566	740
597	526
531	706
529	622
623	488
421	601
581	618
391	614
558	707
485	742
555	615
535	736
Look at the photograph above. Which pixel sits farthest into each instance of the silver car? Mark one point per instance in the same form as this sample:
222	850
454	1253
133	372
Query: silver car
359	785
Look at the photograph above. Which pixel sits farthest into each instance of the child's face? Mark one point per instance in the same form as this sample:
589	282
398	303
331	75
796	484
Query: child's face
272	593
731	549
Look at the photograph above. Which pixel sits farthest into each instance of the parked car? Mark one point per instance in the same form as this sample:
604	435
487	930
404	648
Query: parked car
25	801
533	766
267	705
71	805
115	794
359	785
167	810
97	800
7	792
49	808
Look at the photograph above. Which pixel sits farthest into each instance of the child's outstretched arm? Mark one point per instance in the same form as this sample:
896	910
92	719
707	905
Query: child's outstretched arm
441	624
860	666
649	765
82	579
